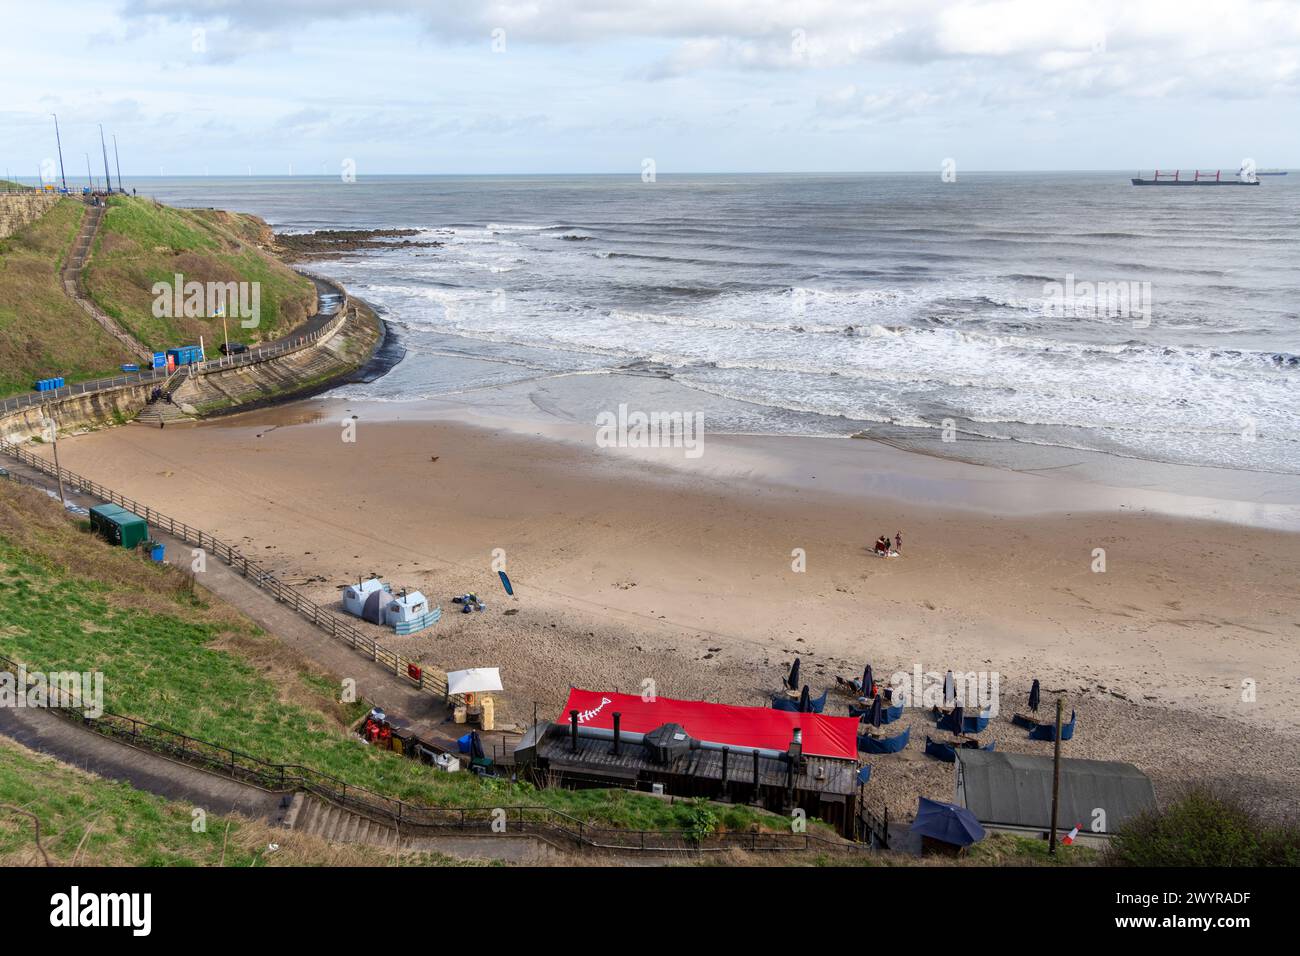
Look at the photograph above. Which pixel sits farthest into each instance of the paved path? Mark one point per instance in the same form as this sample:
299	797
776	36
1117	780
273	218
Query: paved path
396	695
58	737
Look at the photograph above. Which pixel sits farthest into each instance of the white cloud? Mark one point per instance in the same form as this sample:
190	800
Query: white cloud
629	78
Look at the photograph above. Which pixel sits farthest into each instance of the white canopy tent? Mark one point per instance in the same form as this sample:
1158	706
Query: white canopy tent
475	680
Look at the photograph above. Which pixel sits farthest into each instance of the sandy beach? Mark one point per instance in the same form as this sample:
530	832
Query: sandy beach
639	565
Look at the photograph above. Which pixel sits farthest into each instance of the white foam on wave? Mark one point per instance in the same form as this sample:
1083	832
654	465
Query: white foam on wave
975	348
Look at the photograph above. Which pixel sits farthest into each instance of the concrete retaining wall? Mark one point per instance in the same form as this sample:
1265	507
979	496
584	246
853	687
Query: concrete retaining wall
109	406
341	349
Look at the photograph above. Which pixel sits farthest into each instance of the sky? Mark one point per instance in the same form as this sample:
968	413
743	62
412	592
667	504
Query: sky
273	87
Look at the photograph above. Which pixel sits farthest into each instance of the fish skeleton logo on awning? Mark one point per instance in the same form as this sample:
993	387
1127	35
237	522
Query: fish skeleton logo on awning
586	715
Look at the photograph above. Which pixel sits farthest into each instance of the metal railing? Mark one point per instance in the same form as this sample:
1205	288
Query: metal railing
408	818
874	827
275	350
263	577
68	391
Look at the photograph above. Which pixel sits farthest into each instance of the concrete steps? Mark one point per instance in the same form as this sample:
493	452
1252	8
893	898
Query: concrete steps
244	384
336	825
308	814
159	413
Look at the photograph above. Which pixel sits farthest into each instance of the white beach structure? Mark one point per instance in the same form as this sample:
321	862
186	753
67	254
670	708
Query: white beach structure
410	612
373	600
356	595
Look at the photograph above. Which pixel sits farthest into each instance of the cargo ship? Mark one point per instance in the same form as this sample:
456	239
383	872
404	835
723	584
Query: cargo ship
1199	179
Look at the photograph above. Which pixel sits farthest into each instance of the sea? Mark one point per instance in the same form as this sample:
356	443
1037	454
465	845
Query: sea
1063	310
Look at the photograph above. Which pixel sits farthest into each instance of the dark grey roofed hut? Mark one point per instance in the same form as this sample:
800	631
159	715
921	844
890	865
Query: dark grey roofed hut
1013	792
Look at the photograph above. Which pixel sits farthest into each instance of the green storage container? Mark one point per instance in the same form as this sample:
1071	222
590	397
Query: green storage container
118	526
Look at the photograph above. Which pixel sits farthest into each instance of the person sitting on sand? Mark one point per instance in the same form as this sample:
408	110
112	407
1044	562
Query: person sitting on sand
882	545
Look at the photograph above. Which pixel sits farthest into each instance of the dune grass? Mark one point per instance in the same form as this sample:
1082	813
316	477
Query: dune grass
43	332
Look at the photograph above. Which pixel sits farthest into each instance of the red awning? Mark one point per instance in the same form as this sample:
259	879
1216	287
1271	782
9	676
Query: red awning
741	727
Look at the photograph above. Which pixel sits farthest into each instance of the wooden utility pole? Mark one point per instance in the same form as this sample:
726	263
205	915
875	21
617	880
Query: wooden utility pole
1056	773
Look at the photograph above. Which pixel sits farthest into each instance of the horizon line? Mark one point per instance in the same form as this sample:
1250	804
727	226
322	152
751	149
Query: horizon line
637	174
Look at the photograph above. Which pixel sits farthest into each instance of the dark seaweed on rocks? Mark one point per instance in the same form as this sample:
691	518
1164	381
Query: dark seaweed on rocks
331	243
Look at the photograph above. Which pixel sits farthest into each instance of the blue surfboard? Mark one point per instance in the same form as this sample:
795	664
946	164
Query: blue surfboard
505	582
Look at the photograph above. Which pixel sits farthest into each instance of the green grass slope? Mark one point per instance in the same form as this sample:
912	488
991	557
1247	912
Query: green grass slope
120	826
99	822
43	332
141	242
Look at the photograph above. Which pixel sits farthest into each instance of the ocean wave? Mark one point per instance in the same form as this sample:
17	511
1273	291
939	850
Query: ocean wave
522	227
901	324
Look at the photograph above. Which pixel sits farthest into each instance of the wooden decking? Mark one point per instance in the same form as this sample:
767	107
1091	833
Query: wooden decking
823	787
819	774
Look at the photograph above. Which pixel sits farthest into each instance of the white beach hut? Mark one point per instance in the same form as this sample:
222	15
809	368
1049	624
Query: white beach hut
374	601
365	598
410	612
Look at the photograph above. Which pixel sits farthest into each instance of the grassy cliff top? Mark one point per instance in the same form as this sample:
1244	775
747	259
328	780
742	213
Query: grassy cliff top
43	333
142	242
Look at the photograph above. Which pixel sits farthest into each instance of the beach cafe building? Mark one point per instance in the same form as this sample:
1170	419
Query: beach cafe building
776	759
1012	793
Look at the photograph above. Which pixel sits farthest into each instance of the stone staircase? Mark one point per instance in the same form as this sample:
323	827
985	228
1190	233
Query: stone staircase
333	824
159	413
71	278
309	814
164	409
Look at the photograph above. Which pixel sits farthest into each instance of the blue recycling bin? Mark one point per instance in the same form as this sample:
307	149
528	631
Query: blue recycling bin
156	551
